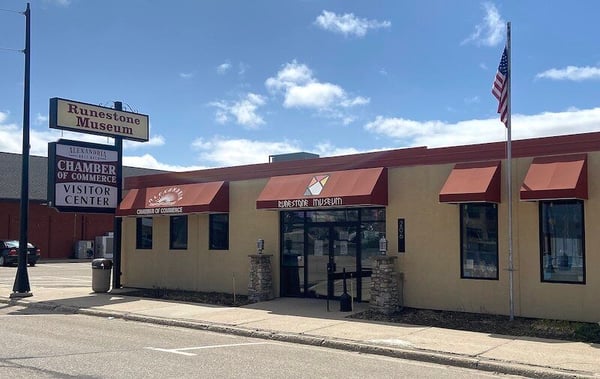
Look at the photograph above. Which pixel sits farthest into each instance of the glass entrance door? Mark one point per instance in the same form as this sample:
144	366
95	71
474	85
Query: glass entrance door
318	260
344	240
313	241
331	249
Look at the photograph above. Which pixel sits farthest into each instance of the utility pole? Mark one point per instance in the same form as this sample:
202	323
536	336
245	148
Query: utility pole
21	287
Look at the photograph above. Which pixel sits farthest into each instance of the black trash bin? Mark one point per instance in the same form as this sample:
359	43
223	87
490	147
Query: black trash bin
101	269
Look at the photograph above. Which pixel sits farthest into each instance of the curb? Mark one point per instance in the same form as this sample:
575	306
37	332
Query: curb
456	360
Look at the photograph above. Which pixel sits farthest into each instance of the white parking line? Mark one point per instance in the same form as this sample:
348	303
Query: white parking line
182	350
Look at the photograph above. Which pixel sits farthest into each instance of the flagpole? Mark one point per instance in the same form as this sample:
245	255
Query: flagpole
509	180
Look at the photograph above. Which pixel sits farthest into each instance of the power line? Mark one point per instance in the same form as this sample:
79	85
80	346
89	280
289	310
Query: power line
10	10
7	49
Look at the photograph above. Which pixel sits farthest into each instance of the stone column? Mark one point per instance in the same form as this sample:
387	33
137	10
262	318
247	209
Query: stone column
385	285
260	285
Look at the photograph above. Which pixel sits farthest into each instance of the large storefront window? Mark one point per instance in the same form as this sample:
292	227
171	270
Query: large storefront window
219	231
479	240
143	233
178	232
562	241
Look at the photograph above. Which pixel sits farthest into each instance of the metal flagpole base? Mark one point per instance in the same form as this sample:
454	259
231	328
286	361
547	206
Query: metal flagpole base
20	295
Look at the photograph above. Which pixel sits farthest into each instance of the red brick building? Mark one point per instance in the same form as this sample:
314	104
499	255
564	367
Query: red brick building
55	233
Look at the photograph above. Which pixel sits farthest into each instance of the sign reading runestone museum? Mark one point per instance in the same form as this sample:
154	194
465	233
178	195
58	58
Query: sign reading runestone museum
87	118
83	177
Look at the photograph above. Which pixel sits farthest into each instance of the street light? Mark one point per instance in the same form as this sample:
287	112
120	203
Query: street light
260	245
383	245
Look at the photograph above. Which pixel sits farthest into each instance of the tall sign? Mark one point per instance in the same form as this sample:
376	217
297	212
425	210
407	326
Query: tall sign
83	177
93	119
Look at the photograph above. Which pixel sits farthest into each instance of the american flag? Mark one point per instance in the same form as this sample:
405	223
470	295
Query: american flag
500	87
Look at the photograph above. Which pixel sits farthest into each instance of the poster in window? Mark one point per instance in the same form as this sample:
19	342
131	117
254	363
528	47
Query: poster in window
343	235
343	247
318	248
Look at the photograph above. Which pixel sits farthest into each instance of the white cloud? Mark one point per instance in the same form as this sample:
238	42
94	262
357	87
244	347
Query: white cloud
40	119
291	75
148	161
359	100
326	149
313	95
223	68
243	111
435	133
221	152
348	24
242	68
571	73
62	3
186	75
154	141
301	89
490	32
10	135
472	100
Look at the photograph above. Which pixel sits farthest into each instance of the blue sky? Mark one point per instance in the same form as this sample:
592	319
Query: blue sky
231	82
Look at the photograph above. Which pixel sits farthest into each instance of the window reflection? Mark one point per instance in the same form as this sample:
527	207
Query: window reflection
479	240
562	241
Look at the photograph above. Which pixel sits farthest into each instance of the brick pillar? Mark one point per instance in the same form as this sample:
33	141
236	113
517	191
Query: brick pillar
385	285
260	285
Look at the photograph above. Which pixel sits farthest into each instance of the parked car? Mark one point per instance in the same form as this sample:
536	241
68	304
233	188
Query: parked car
9	253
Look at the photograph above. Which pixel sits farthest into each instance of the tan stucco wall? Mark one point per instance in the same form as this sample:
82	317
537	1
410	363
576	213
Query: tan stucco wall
557	300
430	265
198	268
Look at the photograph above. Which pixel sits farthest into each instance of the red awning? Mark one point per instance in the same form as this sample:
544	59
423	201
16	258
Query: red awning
557	177
176	199
472	182
328	189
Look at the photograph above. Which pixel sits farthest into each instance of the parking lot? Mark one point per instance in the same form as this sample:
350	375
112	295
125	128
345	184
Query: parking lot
63	274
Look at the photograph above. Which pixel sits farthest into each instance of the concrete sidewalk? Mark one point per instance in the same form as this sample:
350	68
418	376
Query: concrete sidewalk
307	321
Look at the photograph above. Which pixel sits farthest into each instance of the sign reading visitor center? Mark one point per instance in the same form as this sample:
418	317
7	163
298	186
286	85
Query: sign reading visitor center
83	177
94	119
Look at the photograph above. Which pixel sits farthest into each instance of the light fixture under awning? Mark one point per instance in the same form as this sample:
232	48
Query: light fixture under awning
472	182
210	197
361	187
556	177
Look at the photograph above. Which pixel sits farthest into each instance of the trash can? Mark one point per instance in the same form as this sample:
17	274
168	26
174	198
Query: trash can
101	274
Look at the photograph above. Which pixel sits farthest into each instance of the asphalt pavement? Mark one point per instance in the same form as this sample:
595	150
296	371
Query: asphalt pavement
307	321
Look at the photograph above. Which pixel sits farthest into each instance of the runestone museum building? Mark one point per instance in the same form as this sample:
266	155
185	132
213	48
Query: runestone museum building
439	214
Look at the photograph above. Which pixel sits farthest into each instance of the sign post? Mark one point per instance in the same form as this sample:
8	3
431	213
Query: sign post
111	122
118	222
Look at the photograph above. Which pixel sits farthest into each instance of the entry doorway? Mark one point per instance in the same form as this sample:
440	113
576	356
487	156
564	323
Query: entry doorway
331	249
318	245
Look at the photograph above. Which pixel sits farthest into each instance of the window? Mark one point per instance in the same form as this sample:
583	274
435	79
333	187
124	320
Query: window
178	232
479	240
562	241
143	233
219	231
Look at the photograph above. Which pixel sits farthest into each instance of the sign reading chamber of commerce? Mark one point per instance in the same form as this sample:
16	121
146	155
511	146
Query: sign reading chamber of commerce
83	177
94	119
